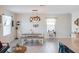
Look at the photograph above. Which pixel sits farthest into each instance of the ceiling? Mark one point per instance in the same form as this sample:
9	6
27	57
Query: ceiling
42	8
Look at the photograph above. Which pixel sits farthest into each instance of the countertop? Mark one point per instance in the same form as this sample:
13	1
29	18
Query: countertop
72	43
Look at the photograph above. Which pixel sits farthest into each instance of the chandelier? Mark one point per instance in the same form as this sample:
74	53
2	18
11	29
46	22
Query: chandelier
34	18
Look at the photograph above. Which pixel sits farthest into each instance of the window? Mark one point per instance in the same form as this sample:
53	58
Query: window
7	21
51	24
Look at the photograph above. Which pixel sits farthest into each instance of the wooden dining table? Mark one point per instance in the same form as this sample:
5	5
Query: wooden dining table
33	37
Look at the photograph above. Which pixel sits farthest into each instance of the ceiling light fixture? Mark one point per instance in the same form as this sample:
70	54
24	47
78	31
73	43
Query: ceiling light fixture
34	18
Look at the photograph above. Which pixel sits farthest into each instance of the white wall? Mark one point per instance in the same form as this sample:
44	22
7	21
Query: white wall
10	37
63	24
26	25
